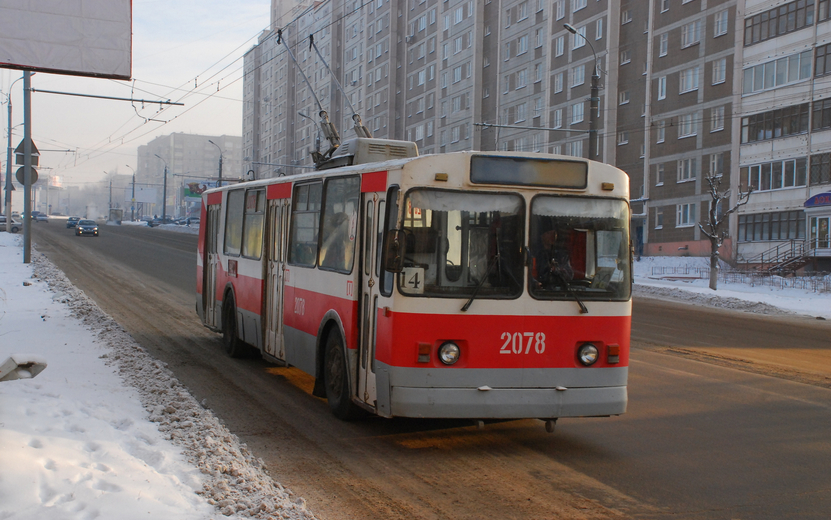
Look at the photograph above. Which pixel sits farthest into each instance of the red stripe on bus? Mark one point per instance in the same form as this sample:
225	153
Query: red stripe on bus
278	191
214	198
304	310
373	181
500	341
248	291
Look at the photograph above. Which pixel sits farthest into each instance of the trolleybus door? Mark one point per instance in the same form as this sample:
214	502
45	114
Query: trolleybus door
369	297
275	258
210	264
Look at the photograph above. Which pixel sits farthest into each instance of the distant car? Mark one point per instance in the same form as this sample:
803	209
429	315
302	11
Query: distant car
159	221
40	217
16	225
71	222
86	227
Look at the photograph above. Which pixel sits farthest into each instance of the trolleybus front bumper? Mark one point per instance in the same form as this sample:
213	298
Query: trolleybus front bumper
602	393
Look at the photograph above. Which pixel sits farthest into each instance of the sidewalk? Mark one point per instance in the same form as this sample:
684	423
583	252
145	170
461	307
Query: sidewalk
105	431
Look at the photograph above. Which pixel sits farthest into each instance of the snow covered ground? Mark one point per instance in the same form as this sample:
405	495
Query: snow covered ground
106	431
746	297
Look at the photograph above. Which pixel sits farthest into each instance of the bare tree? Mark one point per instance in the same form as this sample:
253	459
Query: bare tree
713	228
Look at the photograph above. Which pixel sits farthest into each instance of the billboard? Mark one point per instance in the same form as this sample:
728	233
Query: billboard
195	187
146	195
76	37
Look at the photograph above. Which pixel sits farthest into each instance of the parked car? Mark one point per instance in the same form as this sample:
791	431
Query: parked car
159	221
71	222
16	225
86	227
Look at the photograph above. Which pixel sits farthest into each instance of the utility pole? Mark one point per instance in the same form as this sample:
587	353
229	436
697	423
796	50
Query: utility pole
164	190
133	199
594	101
27	167
219	183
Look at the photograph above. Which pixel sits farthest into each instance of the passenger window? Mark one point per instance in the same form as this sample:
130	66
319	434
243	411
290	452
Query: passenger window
252	244
233	222
340	224
305	222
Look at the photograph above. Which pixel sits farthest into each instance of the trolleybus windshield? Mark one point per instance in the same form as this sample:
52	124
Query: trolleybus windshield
579	246
460	244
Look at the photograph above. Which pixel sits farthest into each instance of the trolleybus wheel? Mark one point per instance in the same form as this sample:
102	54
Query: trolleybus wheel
234	347
336	380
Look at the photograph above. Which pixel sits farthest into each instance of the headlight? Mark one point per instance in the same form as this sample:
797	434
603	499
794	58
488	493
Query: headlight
588	354
449	353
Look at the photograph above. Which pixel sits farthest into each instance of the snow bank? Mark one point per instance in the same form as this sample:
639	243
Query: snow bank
106	431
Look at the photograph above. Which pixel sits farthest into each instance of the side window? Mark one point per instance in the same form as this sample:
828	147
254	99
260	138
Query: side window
233	222
305	222
390	222
340	224
252	244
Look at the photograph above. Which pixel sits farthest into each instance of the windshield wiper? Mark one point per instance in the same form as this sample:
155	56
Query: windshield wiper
583	309
494	260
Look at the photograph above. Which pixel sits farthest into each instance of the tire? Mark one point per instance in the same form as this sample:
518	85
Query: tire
15	229
234	346
336	380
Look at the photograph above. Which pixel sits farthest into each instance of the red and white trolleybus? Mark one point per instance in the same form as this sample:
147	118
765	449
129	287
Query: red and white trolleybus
482	285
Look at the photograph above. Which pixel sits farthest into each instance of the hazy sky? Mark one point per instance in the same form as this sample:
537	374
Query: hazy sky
188	51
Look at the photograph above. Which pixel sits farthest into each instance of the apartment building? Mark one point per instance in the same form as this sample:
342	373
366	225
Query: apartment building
785	129
688	89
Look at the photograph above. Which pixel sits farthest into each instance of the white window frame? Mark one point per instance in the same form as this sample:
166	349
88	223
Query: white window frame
685	215
662	87
719	71
717	119
691	34
720	23
686	126
578	111
663	45
687	169
688	80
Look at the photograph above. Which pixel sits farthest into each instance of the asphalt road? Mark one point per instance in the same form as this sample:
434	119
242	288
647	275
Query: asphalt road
699	440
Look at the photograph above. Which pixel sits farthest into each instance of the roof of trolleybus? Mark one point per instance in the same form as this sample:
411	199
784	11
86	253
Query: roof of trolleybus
442	169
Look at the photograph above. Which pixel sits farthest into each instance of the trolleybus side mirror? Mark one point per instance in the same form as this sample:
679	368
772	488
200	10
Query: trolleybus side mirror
396	245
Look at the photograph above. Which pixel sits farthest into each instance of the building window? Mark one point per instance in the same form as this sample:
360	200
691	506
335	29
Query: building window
776	175
522	45
625	56
579	40
688	80
578	75
521	112
823	62
662	87
822	114
623	97
691	34
776	123
625	17
687	169
576	113
560	8
777	21
662	132
521	79
664	6
576	5
716	119
778	72
659	174
574	148
659	218
716	164
559	46
538	38
720	23
622	138
537	72
598	29
719	71
558	82
685	215
558	118
686	126
663	44
820	169
780	225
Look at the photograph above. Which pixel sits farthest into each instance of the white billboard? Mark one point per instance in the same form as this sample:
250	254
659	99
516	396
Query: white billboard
146	195
77	37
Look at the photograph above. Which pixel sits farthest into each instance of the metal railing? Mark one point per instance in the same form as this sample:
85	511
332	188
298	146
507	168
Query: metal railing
815	282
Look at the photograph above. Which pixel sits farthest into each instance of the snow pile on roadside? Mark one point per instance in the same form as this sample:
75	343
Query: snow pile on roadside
738	296
233	480
675	293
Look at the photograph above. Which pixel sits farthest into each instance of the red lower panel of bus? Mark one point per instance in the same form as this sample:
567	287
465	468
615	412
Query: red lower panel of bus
304	310
501	341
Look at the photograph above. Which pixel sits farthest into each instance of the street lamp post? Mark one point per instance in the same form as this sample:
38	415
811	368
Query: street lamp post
8	196
164	190
133	199
594	102
219	183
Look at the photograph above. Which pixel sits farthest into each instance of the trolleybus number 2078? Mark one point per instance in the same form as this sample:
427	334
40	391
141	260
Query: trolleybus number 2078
478	285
